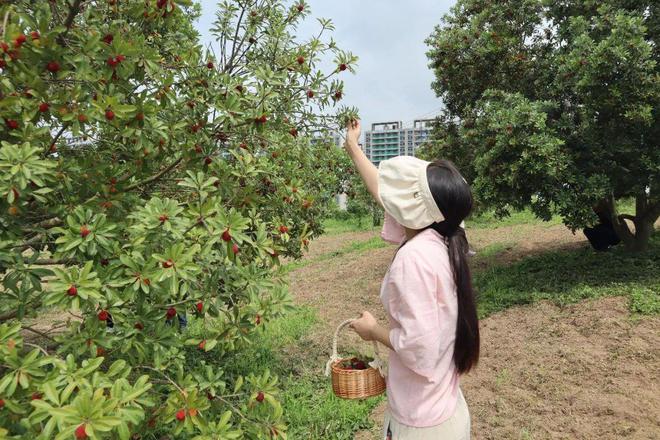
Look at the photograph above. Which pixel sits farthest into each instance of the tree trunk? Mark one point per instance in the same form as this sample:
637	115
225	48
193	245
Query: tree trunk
644	220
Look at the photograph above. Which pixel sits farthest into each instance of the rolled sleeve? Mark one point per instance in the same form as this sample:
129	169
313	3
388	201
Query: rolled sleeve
413	306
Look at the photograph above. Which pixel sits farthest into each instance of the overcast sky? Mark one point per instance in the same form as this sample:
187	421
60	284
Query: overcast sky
393	81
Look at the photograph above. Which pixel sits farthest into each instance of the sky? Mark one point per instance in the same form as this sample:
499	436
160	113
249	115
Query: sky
393	80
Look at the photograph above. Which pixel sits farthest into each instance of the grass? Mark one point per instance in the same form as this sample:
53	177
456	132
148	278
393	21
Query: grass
334	226
310	407
353	246
488	220
568	276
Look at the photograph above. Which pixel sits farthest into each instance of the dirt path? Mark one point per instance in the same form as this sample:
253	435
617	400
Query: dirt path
581	372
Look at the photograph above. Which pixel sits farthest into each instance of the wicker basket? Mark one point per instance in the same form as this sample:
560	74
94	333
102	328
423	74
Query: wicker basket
355	384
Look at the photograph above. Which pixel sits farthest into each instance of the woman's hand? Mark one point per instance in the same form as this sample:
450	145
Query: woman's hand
365	325
353	133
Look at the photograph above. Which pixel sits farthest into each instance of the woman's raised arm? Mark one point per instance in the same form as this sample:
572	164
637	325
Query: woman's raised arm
366	169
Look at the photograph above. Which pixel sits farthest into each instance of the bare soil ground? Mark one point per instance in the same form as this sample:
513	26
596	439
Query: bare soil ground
585	371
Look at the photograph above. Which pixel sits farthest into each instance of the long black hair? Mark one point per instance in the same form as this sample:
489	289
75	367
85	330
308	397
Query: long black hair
453	196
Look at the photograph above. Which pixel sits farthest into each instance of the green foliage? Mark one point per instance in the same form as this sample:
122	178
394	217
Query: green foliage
143	178
553	106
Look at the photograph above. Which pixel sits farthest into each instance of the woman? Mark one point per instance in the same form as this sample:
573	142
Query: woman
427	292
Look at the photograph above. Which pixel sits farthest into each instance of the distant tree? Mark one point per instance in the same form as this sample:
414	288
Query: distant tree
553	105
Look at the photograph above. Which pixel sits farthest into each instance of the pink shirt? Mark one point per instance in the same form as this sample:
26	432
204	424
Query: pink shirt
419	295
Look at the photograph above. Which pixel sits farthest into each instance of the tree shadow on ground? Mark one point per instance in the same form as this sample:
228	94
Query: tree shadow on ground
568	274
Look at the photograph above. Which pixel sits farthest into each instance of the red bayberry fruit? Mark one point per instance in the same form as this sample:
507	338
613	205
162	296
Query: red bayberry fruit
343	67
235	249
104	262
53	66
43	107
146	281
112	62
226	236
284	229
109	115
194	128
4	46
243	145
258	319
202	344
301	7
306	204
36	396
3	63
82	118
35	35
108	38
239	88
181	415
139	326
100	351
72	291
260	396
167	264
163	218
113	181
293	132
209	65
171	313
12	124
18	41
208	160
103	315
81	434
199	306
2	403
198	148
300	60
84	231
310	94
140	117
338	96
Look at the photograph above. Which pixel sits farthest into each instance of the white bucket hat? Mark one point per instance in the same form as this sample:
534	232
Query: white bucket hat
403	189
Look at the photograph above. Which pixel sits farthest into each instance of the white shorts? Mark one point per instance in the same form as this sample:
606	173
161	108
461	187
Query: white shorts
457	427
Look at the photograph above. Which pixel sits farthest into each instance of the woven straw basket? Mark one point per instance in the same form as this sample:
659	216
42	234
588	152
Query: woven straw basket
355	384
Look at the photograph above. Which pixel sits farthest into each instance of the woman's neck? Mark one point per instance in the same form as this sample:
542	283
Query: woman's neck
410	233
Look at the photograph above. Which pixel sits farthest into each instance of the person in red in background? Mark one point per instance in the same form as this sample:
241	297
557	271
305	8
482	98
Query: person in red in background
433	330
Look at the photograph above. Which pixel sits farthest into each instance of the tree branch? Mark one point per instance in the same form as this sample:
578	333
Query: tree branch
155	177
74	9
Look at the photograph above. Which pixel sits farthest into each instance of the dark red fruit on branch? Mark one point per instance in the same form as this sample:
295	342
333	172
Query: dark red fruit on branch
208	160
260	396
18	41
167	264
108	38
84	231
36	396
293	132
305	242
112	62
80	432
195	128
160	4
202	344
235	249
226	236
140	117
300	60
163	218
146	281
139	326
72	291
109	115
103	315
198	149
171	313
82	118
2	403
258	319
209	65
338	96
104	262
53	66
3	63
343	67
199	306
12	124
100	351
35	35
239	88
284	229
243	145
181	415
301	7
43	107
310	94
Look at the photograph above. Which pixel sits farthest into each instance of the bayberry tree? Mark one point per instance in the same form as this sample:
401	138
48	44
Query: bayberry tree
149	187
553	105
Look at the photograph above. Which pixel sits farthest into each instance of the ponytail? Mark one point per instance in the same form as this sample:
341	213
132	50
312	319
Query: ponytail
466	346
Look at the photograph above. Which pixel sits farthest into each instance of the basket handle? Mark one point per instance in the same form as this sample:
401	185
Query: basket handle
377	363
